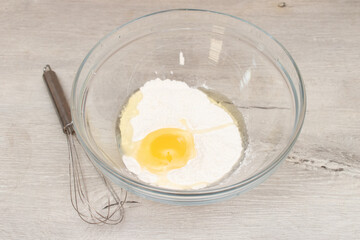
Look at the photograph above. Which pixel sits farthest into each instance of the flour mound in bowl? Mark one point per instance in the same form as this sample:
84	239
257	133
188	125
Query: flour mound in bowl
176	137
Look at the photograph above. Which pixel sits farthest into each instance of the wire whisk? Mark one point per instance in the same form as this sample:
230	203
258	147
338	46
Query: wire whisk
93	206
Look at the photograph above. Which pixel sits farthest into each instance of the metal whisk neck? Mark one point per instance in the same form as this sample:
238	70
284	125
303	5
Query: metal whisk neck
69	128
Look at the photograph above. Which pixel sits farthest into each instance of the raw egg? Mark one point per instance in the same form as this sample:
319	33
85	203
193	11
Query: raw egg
165	149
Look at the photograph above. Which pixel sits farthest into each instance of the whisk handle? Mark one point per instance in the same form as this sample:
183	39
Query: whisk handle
58	98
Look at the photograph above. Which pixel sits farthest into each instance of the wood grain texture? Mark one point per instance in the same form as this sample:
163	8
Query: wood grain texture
315	194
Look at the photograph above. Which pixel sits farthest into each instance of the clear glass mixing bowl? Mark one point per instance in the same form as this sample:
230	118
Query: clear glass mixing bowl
229	55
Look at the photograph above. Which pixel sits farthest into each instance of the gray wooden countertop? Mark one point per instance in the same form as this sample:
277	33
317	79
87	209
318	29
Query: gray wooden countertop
315	194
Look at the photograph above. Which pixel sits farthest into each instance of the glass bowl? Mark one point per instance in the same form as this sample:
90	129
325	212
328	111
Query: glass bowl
228	55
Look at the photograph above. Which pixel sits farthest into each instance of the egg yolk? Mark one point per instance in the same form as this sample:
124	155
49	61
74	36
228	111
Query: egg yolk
166	149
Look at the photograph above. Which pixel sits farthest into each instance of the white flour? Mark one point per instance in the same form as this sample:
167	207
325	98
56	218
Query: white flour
173	104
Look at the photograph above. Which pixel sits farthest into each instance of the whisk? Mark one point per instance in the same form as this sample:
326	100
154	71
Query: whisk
107	209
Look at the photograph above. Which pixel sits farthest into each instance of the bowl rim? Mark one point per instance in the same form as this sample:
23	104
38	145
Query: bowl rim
299	120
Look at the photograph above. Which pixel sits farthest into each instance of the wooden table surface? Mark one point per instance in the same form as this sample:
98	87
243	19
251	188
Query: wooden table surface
315	194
